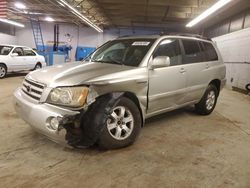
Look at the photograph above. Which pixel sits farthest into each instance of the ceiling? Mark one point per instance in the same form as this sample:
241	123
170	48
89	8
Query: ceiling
165	14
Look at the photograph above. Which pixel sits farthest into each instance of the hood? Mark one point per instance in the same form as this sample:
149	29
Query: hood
75	73
3	56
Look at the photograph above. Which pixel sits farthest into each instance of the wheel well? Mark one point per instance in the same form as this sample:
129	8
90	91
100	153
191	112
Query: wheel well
216	83
39	63
4	65
133	97
130	96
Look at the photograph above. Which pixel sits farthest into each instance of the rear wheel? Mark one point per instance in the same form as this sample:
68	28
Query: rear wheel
208	101
38	66
3	71
122	126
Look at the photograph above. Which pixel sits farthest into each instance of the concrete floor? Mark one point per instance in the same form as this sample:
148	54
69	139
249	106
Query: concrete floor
176	149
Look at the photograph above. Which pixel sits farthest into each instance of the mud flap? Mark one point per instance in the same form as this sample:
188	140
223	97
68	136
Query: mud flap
92	121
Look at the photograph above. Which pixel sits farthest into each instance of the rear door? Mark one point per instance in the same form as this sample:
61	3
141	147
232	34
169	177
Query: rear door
31	58
167	85
194	60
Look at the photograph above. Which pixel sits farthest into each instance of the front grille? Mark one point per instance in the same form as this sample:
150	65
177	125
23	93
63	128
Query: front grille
33	89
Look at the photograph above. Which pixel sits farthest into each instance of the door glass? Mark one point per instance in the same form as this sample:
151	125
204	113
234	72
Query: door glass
192	50
19	51
170	48
28	52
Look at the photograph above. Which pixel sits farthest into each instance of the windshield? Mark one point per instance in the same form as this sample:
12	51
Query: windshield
5	50
128	52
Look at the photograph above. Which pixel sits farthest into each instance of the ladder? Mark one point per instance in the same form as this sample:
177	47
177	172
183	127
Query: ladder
37	34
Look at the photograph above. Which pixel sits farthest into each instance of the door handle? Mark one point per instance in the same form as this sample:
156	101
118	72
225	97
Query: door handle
182	70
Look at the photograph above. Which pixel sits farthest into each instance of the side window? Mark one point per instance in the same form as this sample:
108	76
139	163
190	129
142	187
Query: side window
210	52
19	51
28	52
192	51
170	48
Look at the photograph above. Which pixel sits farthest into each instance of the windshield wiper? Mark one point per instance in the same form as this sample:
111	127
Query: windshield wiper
110	61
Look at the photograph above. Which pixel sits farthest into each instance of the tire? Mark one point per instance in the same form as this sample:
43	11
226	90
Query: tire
248	87
3	71
121	129
208	101
38	66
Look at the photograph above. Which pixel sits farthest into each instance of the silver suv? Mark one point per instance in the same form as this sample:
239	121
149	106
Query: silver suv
106	98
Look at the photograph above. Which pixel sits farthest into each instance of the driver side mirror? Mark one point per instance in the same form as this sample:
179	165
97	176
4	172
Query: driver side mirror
14	54
160	61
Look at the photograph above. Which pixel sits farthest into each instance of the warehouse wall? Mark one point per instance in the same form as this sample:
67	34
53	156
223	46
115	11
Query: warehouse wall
235	50
7	39
81	36
235	23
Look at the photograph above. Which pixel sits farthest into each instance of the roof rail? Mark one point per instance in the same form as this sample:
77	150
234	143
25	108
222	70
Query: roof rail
188	35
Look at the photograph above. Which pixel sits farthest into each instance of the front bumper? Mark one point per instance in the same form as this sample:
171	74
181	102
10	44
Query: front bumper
37	115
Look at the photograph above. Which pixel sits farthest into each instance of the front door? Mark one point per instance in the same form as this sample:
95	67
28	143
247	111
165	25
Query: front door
18	63
167	85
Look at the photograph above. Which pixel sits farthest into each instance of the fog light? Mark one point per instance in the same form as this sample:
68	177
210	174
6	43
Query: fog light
54	123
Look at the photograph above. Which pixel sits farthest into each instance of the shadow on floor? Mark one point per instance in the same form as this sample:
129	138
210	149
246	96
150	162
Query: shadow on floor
17	74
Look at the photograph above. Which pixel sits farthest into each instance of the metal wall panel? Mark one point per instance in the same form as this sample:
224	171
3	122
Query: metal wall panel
237	23
234	23
247	20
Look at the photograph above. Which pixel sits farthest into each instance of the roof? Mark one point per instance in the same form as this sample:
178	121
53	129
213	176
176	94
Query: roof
11	45
184	35
139	37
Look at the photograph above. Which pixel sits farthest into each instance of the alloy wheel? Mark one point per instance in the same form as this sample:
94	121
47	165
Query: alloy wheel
2	72
210	100
120	124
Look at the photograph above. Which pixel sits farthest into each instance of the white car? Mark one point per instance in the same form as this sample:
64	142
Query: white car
19	58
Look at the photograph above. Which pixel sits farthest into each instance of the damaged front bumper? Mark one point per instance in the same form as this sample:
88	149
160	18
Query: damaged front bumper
47	119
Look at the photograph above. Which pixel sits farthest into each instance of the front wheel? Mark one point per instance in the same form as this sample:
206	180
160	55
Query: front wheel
3	71
208	101
122	126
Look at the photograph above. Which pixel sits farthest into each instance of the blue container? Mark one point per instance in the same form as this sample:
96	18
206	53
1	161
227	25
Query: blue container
49	53
82	52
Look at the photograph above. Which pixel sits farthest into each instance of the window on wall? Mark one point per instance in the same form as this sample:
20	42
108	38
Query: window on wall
170	48
193	53
7	29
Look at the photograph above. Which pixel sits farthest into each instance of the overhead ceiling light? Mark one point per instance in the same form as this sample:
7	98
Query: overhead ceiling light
11	22
49	19
61	4
82	17
20	5
208	12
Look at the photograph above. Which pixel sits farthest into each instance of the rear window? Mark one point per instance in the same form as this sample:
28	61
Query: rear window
192	51
210	52
5	50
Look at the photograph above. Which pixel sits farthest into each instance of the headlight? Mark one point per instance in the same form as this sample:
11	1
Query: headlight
68	96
